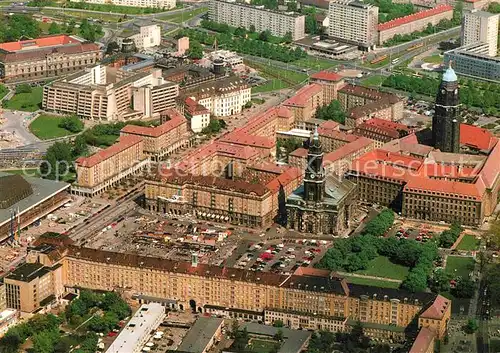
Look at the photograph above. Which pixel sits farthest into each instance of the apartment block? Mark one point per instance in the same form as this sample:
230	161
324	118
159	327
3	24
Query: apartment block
481	27
354	22
45	57
162	4
105	93
144	37
104	169
239	14
474	60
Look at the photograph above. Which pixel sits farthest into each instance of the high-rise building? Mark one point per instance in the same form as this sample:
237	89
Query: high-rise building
238	14
354	22
446	120
481	27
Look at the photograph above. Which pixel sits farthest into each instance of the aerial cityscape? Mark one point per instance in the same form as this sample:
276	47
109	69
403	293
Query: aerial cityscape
250	176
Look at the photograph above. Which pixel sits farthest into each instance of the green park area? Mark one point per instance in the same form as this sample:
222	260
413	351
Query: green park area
277	78
459	266
433	59
47	127
381	266
372	282
373	80
184	16
3	91
30	172
315	63
262	346
67	14
469	243
27	100
128	10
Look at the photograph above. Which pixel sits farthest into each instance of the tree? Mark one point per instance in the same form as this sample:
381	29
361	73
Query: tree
288	37
112	47
240	32
72	123
471	326
252	29
195	50
80	147
57	161
54	28
23	88
278	336
235	326
248	105
379	225
332	111
465	288
265	35
278	323
440	281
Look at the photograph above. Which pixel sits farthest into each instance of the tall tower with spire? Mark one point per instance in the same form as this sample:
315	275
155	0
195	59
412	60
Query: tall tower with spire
446	120
314	178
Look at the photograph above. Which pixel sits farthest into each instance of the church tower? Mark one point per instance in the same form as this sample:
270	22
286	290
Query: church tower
446	120
314	178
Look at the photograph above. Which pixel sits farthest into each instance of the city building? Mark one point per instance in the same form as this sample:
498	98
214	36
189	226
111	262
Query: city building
305	102
384	312
322	205
331	83
229	58
144	36
382	131
45	57
162	4
294	341
162	140
187	76
223	97
26	199
473	60
363	103
198	115
416	22
354	22
424	342
106	168
480	27
446	120
238	14
8	318
202	336
106	93
137	331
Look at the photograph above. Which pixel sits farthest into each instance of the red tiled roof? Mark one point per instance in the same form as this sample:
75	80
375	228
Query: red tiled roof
123	143
476	137
260	120
176	119
347	149
311	271
447	171
284	179
369	93
269	167
327	76
299	152
414	17
303	95
337	135
330	124
491	168
284	112
387	124
423	341
241	138
194	107
437	309
42	52
418	183
49	41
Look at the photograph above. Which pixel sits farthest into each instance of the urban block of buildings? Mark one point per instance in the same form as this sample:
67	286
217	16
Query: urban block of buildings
46	57
143	36
240	14
162	4
106	93
203	335
480	27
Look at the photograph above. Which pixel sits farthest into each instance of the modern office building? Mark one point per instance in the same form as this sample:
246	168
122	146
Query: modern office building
474	61
144	36
162	4
45	57
354	22
238	14
481	27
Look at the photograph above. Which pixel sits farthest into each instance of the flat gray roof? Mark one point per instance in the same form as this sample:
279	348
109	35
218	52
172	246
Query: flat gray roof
42	190
200	334
294	340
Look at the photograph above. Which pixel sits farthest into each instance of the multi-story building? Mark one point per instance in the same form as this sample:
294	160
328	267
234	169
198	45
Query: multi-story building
223	97
305	102
331	83
354	22
104	93
238	14
104	169
332	138
362	104
481	27
45	57
162	140
144	37
384	312
162	4
474	61
382	131
414	23
198	115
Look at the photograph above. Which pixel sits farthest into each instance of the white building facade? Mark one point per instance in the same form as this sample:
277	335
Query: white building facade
481	27
146	37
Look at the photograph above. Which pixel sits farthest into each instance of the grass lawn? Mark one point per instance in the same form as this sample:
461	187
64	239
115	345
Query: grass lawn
382	267
80	15
459	266
315	63
271	85
468	242
3	91
261	346
46	127
28	102
372	282
184	16
434	59
34	172
373	80
495	345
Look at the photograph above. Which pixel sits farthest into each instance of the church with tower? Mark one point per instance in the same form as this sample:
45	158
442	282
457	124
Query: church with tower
322	204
